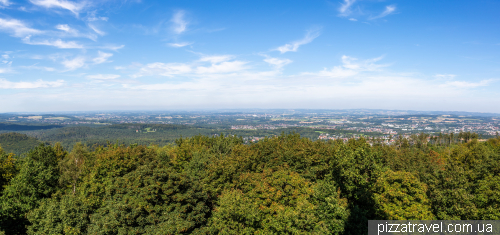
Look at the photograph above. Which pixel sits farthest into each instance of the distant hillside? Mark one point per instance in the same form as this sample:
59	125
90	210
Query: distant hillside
17	143
21	127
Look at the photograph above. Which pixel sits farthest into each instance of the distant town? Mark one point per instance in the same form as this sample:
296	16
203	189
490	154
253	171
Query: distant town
383	124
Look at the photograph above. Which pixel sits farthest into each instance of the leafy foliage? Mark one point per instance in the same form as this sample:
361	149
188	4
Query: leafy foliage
36	180
281	185
17	143
401	196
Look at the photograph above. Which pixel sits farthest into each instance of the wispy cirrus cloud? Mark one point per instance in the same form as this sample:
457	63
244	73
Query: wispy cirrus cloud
445	76
277	63
43	68
222	67
388	10
68	31
215	64
163	69
82	61
180	44
216	58
20	29
4	84
6	59
63	27
75	8
4	3
350	66
179	22
103	76
220	64
95	29
112	47
344	8
17	28
75	63
56	43
102	57
294	46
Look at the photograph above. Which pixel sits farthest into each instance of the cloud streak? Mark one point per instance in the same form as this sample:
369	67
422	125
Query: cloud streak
294	46
180	44
95	29
206	65
344	8
179	23
388	10
277	63
102	57
56	43
75	63
4	3
17	28
103	76
4	84
163	69
75	8
350	66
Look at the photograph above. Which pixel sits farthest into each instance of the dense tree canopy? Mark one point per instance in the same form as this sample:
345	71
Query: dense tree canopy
282	185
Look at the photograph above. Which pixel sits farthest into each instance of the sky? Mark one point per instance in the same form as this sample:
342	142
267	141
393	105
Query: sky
92	55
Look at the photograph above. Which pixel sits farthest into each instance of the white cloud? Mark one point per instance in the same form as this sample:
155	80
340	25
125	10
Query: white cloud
353	19
220	64
68	5
57	43
4	84
49	69
344	7
103	76
70	32
17	28
63	27
112	47
309	37
162	69
367	65
4	3
335	72
216	58
102	33
103	57
180	24
91	16
350	67
277	62
223	67
388	10
75	63
180	44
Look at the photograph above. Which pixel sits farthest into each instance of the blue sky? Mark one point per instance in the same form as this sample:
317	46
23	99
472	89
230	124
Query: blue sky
61	55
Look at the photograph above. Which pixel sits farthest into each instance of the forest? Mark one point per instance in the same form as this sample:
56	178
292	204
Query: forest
286	184
142	134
